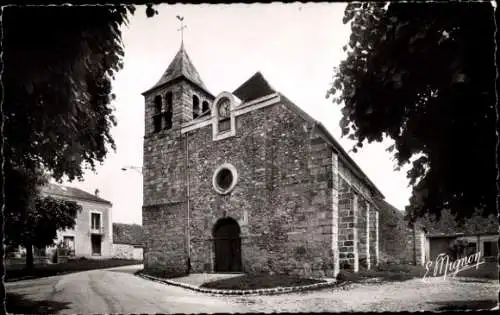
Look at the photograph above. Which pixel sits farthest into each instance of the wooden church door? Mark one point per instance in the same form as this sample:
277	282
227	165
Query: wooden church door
227	246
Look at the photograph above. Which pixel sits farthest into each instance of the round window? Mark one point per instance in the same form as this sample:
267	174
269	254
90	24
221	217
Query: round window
224	178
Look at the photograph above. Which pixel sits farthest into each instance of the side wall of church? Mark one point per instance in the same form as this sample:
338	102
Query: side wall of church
358	222
282	200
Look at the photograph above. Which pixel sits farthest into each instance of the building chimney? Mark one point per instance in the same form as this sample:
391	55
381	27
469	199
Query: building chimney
96	192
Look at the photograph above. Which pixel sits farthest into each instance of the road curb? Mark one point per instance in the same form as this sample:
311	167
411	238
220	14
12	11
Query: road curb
270	291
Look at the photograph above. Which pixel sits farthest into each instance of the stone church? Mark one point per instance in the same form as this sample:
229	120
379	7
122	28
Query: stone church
246	181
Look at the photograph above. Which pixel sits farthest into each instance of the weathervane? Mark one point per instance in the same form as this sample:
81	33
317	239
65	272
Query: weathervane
181	18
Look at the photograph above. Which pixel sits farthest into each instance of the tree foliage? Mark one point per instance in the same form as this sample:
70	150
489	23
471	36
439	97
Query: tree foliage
446	223
423	75
57	69
32	219
450	223
479	223
59	62
57	79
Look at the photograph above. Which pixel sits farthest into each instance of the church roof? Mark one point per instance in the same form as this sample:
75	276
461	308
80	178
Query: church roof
180	67
335	144
71	193
254	88
257	86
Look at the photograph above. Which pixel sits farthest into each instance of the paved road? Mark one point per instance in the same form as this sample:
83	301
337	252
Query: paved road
117	290
114	290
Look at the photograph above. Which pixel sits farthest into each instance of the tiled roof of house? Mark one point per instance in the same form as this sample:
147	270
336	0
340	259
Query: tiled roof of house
181	66
130	234
72	193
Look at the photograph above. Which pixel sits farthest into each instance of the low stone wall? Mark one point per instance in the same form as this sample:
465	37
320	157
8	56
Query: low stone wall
126	251
399	243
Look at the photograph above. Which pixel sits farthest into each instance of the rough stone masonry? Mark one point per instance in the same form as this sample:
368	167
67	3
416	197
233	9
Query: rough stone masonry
299	203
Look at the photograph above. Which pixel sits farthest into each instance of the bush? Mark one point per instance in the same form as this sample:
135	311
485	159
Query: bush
363	262
345	265
346	275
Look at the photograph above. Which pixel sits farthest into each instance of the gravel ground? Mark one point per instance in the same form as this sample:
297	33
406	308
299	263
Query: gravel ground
410	295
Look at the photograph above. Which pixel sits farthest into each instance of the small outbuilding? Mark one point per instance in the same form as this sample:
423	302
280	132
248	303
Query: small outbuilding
128	241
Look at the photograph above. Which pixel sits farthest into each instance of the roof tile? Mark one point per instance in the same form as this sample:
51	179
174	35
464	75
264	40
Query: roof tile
71	192
181	66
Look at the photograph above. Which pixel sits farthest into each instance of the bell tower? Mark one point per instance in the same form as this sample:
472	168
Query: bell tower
179	97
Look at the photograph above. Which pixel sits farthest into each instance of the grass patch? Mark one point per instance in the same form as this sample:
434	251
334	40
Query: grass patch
488	270
162	273
253	282
19	304
390	272
40	271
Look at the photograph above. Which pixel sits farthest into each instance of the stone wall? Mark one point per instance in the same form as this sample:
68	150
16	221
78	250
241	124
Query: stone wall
296	212
335	216
358	228
348	254
283	198
397	239
363	234
164	176
414	251
126	251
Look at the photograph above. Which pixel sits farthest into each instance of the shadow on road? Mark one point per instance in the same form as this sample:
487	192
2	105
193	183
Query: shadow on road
18	304
465	305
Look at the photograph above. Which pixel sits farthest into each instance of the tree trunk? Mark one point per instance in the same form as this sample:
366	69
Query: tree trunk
414	245
29	256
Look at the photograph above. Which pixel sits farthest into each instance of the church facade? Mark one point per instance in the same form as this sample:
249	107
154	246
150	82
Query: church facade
246	181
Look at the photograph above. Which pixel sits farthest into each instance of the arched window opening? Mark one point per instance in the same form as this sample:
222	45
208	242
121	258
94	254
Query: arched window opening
224	114
157	114
196	107
168	100
205	108
157	104
168	111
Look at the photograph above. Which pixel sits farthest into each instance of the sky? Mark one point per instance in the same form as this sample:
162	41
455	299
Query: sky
295	46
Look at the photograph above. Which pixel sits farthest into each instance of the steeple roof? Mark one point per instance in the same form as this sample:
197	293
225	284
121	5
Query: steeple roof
181	66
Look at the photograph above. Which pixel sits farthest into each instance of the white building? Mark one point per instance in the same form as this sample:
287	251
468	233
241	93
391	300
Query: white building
92	236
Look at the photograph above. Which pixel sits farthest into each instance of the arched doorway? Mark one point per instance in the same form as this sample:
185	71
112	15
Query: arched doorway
227	246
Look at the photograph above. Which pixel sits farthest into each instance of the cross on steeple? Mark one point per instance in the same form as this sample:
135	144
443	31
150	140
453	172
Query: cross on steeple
181	19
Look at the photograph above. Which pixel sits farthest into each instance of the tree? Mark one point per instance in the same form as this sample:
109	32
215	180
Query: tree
57	78
31	219
447	222
479	223
58	64
423	75
57	94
